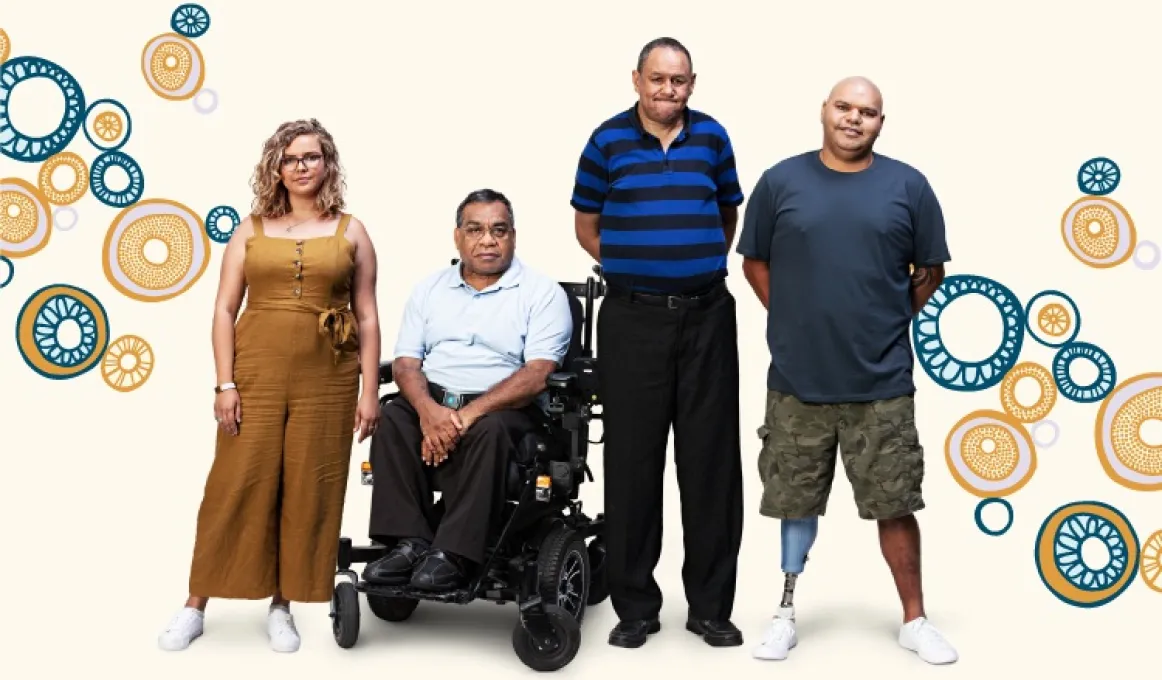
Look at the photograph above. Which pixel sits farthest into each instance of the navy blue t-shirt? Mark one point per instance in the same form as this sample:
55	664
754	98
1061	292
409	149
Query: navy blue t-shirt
839	246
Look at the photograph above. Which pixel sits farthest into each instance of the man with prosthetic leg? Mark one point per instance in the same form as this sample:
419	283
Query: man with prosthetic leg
843	246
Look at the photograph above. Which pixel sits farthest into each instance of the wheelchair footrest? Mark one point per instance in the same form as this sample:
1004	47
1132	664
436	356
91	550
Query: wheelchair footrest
458	596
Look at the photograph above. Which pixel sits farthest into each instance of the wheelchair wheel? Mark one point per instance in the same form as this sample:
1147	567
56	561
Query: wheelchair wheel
563	568
391	608
598	586
567	630
345	614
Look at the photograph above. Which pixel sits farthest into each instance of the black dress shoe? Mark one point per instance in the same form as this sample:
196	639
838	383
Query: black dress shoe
633	633
395	568
715	633
439	571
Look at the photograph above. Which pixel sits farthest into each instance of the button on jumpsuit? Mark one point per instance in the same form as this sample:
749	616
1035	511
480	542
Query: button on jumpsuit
271	512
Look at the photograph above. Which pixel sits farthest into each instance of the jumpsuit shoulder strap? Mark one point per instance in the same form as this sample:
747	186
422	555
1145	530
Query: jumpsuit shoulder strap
343	222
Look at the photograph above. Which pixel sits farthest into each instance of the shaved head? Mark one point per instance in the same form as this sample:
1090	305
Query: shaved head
857	88
852	116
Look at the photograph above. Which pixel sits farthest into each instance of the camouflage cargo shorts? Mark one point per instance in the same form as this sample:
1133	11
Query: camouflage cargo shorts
877	441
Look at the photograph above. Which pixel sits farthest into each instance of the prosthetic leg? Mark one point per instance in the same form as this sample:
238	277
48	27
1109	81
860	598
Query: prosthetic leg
798	535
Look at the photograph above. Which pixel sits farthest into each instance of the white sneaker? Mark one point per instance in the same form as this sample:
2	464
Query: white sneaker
183	629
780	637
920	636
280	626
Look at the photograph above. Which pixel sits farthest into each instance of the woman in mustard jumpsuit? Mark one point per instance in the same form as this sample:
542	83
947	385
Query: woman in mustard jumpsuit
288	398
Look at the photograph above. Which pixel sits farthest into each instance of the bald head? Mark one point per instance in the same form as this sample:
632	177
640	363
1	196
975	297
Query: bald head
857	89
852	117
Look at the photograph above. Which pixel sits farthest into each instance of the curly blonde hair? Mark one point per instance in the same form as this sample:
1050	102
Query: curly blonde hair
270	195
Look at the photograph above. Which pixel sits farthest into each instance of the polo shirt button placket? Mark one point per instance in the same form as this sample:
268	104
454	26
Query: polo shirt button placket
298	269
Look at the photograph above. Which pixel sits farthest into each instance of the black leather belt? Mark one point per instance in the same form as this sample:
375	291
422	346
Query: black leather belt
694	299
450	399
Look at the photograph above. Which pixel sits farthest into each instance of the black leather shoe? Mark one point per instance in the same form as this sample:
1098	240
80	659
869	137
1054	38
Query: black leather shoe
395	568
633	633
715	633
439	571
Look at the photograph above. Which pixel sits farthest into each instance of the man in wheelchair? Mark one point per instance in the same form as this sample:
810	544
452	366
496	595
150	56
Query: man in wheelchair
476	346
496	382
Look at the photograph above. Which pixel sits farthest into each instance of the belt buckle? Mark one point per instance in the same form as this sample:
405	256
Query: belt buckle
452	400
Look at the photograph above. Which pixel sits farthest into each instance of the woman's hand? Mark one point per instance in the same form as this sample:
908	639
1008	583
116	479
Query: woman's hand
367	416
228	411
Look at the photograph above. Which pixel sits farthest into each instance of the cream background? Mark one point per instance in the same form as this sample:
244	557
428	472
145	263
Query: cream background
998	103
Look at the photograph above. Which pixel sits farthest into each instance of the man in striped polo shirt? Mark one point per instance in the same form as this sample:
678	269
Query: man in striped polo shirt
656	198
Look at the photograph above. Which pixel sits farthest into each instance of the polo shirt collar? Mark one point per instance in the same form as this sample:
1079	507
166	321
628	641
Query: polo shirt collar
510	279
636	122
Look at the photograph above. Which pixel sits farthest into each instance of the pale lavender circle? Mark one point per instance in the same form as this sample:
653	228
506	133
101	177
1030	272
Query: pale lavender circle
1138	255
206	110
1045	423
67	210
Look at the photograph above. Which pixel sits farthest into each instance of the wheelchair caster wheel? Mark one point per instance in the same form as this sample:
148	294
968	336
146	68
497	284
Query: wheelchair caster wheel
345	614
567	633
391	608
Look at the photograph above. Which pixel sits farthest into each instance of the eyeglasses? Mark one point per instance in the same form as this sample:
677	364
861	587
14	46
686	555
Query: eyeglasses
309	161
475	232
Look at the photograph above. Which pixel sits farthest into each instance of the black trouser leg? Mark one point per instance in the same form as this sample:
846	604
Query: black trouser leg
401	493
636	344
472	480
708	456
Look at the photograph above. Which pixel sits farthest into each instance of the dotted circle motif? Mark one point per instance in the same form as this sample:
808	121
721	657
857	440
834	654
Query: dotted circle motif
1044	403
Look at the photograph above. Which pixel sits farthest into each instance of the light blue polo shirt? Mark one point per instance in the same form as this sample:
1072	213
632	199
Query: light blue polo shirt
470	340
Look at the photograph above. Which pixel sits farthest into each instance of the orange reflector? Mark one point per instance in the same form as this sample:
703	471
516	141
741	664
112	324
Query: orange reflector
544	482
365	467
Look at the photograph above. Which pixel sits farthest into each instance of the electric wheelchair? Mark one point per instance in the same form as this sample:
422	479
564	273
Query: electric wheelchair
537	556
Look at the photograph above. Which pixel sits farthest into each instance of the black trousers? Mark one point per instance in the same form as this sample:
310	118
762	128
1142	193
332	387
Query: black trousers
663	367
471	480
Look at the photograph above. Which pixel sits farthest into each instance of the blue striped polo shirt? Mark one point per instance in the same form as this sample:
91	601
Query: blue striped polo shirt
661	229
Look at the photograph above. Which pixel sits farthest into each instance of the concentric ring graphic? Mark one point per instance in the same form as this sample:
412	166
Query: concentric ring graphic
1098	176
25	148
25	218
176	230
1099	232
1061	565
990	454
1067	387
128	363
46	326
1052	318
121	197
1125	456
173	66
968	376
1039	409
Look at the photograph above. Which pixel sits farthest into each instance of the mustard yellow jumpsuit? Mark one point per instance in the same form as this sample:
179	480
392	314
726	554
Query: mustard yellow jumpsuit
270	515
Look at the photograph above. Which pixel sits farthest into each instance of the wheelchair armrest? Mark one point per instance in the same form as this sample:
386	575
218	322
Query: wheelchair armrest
561	380
385	376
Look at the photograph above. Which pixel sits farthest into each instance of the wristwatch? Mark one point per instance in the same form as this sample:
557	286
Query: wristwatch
219	389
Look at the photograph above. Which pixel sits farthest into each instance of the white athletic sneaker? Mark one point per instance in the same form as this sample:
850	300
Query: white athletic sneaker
280	626
183	629
920	636
780	637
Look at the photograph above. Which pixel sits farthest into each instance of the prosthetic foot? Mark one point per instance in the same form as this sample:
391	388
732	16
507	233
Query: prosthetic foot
798	535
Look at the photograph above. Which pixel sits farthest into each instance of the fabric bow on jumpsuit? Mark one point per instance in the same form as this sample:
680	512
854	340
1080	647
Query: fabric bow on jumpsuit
271	512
